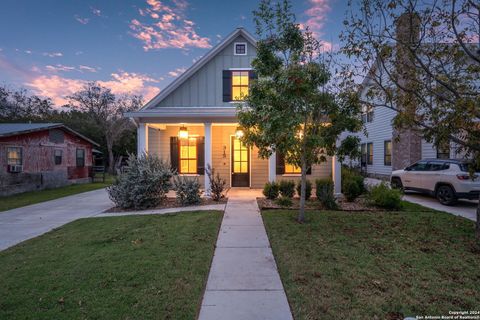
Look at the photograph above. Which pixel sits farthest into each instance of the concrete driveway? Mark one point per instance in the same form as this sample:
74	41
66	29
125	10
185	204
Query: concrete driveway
463	208
23	223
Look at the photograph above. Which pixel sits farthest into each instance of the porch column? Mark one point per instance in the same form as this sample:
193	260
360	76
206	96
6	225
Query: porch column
142	138
336	176
208	154
272	168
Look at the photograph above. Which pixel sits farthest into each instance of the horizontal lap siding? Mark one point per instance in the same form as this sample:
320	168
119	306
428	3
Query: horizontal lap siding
259	168
319	171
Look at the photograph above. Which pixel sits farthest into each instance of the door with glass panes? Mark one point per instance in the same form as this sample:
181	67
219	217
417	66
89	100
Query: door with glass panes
240	164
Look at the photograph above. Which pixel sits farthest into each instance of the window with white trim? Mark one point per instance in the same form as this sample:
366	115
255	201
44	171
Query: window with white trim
240	49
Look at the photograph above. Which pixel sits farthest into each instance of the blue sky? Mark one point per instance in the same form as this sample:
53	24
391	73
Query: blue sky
51	47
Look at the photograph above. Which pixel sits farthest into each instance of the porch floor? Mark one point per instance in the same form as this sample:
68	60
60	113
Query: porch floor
244	282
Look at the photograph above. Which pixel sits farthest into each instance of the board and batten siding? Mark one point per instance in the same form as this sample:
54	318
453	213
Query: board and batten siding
204	88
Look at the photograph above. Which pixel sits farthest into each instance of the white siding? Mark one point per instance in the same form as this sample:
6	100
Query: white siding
378	131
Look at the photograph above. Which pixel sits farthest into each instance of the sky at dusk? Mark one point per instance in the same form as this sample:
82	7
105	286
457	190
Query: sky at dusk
52	47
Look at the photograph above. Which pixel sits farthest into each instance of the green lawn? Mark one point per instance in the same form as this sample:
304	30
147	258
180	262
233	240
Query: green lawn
132	267
27	198
342	265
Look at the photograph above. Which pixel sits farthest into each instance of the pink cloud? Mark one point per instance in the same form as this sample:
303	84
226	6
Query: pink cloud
177	72
317	15
53	54
59	88
59	67
81	20
87	68
169	29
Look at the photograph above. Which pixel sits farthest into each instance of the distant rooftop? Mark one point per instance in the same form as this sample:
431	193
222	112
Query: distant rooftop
11	129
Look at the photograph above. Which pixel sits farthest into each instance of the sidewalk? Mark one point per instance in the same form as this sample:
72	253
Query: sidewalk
244	282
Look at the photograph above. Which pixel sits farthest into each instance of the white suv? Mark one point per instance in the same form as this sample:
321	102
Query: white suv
447	180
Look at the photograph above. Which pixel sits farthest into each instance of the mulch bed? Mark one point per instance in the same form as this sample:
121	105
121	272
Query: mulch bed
312	204
170	203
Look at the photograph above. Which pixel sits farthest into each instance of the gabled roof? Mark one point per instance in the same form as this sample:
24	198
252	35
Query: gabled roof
199	64
13	129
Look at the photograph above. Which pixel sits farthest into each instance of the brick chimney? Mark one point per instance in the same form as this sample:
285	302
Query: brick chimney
407	142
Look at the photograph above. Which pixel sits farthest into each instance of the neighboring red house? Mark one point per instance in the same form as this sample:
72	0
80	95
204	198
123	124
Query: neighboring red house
41	155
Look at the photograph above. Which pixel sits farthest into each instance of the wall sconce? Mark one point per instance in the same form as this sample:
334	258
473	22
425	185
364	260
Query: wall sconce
224	151
183	132
238	133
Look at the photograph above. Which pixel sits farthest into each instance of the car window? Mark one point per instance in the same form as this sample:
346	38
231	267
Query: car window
419	166
437	166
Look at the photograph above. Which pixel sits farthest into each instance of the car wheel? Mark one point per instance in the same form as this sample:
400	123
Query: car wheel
396	183
446	195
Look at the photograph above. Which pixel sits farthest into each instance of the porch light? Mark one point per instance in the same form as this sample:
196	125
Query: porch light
183	132
238	133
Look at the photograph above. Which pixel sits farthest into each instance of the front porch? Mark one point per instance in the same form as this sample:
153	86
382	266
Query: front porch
192	142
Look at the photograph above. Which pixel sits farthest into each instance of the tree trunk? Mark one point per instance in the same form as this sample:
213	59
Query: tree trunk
303	187
111	159
477	225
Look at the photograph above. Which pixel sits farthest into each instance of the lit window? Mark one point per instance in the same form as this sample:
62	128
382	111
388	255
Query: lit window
370	153
240	157
14	156
290	168
387	153
239	85
188	155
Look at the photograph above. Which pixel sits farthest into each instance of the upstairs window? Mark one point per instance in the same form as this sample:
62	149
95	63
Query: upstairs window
14	156
240	49
367	114
240	82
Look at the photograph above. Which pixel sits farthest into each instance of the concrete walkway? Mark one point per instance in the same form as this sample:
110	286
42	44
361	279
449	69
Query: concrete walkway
244	282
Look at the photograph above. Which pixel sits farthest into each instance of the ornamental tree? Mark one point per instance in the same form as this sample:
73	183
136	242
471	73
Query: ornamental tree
290	108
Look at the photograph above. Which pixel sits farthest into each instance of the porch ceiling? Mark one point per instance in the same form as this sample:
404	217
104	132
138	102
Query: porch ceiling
184	115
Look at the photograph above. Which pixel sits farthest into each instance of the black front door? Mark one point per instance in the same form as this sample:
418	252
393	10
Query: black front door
240	164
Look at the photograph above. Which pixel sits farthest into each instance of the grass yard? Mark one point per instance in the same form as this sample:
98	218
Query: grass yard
390	265
132	267
27	198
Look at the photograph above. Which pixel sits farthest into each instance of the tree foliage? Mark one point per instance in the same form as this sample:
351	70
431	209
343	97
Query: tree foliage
106	111
289	108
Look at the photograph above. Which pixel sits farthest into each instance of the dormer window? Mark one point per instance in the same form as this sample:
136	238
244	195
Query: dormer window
240	48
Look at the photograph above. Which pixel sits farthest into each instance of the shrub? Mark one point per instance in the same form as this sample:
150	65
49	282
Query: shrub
324	192
143	185
217	184
270	190
287	188
351	189
384	197
187	190
308	189
284	201
349	174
